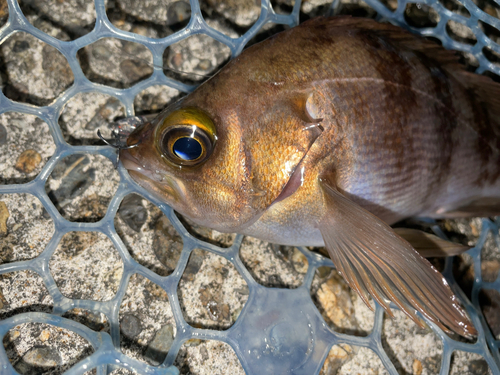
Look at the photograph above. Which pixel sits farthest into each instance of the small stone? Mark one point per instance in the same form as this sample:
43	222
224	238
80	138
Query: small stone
106	113
4	215
299	261
242	12
3	135
489	300
132	212
417	367
130	326
135	70
205	64
193	342
474	229
44	336
489	270
39	360
91	209
323	272
206	234
478	367
100	52
28	161
95	321
421	15
204	354
15	335
338	355
178	12
167	245
4	10
334	296
20	46
158	348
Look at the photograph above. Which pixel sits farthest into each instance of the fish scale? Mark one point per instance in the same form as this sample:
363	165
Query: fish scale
375	91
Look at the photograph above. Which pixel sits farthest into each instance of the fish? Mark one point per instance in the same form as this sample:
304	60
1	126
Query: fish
325	135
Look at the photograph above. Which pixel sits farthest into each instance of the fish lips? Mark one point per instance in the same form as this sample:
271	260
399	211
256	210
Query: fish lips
159	185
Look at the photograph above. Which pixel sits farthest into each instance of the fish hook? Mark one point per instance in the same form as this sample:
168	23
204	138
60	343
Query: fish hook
117	145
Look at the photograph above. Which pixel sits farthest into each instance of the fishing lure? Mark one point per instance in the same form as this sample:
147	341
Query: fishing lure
326	134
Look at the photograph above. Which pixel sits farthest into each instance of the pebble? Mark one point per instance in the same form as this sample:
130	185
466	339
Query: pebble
135	70
4	215
299	261
44	336
421	15
489	270
105	113
335	299
178	12
167	245
130	326
206	234
194	264
217	311
74	180
4	12
243	13
338	355
3	135
95	321
417	367
133	213
20	46
28	161
39	360
489	300
204	354
158	348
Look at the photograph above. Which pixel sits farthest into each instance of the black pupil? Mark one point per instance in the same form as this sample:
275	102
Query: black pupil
187	148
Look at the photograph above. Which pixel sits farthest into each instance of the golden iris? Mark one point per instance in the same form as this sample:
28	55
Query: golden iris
186	137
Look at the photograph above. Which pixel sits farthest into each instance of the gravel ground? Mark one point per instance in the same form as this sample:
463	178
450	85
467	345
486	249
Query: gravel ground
211	292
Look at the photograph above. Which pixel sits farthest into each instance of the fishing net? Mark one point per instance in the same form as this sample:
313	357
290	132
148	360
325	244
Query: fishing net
83	287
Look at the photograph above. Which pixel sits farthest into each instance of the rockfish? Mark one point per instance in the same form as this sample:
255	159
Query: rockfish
326	134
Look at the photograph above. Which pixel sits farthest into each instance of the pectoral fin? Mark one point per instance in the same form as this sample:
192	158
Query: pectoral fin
429	245
373	259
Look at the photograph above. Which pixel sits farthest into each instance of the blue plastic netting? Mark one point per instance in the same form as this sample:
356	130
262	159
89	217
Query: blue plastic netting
278	331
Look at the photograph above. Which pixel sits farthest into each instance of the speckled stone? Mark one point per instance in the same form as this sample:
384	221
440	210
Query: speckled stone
158	348
4	215
132	212
3	135
81	187
243	13
208	291
43	74
147	303
28	161
36	348
25	132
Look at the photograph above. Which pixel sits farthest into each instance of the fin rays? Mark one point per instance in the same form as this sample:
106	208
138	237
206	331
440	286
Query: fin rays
374	260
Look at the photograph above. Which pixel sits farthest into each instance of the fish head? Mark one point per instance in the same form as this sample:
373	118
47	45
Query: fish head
219	160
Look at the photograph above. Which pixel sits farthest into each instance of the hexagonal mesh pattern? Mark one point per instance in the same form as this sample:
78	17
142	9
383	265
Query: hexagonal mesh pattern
278	330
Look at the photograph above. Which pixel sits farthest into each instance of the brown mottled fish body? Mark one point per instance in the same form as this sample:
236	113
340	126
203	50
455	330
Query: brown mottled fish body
325	133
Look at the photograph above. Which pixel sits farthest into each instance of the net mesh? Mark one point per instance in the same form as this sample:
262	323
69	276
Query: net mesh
278	330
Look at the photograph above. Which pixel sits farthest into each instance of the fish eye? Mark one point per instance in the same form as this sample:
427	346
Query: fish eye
186	137
187	148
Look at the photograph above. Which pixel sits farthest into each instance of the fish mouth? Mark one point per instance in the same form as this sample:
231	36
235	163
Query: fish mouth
162	186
